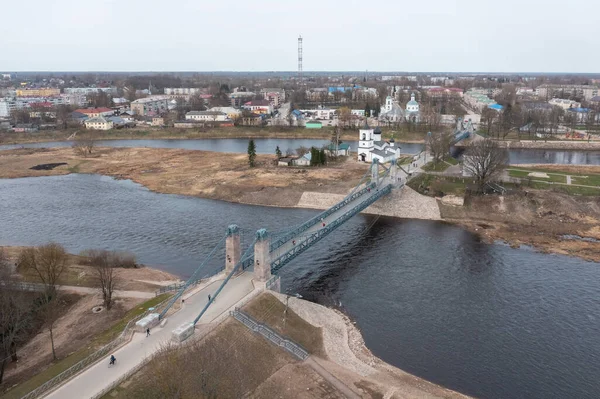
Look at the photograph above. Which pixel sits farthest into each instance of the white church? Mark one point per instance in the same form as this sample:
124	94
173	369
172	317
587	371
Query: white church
370	146
392	112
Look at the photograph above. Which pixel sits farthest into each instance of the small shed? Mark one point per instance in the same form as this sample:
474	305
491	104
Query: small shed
342	150
287	161
313	125
304	160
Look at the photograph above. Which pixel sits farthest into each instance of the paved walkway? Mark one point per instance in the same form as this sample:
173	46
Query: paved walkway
99	377
87	290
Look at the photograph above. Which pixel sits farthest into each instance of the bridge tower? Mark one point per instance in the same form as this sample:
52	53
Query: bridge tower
262	256
233	248
375	171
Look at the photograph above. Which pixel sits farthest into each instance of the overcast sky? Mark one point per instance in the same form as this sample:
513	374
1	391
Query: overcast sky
339	35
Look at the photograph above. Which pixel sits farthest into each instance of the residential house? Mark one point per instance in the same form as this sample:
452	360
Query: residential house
287	161
274	96
206	116
564	104
150	106
313	125
98	123
95	112
341	150
158	121
25	128
239	98
232	113
262	107
304	160
40	92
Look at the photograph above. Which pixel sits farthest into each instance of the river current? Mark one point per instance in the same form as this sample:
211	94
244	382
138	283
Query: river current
268	146
428	297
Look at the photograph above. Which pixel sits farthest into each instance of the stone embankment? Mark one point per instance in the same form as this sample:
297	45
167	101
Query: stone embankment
403	203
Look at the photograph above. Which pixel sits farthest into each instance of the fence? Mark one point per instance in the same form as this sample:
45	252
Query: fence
124	337
269	334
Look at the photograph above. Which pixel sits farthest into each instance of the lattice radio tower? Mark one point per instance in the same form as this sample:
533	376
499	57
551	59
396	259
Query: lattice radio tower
300	58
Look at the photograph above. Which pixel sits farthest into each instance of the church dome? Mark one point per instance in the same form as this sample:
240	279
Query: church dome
377	130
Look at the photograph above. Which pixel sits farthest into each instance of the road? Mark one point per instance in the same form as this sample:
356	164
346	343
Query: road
87	290
99	377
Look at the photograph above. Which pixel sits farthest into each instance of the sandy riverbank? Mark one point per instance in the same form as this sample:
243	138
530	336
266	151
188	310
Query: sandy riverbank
539	219
350	361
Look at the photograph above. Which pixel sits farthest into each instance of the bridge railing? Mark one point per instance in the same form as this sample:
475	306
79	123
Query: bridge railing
311	239
311	222
269	334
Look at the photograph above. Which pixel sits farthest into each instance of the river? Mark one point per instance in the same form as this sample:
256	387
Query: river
429	297
267	146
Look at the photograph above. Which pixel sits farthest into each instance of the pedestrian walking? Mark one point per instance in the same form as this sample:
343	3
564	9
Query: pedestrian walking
208	297
147	332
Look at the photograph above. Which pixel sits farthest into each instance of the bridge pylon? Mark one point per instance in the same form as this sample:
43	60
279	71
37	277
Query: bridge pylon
233	248
262	256
375	171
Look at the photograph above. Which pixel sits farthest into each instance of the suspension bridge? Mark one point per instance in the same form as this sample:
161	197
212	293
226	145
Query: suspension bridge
245	274
269	252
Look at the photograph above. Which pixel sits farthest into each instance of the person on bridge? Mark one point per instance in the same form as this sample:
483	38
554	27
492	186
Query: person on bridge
147	332
293	242
113	359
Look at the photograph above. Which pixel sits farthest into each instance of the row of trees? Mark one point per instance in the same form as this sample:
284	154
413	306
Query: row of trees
20	312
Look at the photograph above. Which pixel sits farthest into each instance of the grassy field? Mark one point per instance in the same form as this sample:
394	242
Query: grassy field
552	177
557	176
100	340
440	166
269	310
434	185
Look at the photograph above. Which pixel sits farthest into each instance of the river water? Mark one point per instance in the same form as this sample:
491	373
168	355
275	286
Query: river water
486	320
267	146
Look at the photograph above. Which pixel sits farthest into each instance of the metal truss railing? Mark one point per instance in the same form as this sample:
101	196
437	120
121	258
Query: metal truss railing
311	239
234	271
281	240
194	278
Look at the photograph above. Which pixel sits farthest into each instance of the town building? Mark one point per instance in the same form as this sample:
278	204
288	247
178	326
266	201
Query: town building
182	91
564	104
477	100
206	116
275	96
150	106
262	107
95	112
98	123
438	92
239	98
232	113
38	92
158	121
547	91
86	91
371	146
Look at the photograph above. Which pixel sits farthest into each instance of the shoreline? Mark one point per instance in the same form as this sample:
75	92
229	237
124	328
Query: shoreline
348	356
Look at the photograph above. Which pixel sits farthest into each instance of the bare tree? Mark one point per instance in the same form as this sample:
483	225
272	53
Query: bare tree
49	312
14	314
84	146
438	144
485	160
104	263
48	262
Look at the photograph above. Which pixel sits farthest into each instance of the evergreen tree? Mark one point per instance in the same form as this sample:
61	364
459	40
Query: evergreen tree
251	153
322	156
367	110
314	156
278	152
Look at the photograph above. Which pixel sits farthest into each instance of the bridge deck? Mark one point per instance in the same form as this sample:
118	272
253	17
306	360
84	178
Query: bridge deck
301	237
